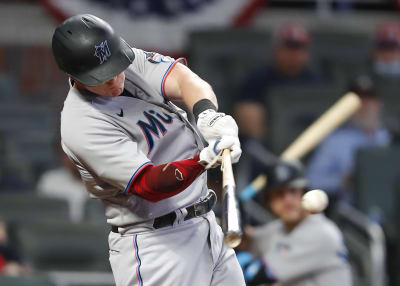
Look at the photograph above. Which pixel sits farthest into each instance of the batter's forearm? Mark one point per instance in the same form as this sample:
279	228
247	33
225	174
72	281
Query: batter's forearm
156	183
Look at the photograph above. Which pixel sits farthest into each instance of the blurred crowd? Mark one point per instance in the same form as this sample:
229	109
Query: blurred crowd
294	248
332	165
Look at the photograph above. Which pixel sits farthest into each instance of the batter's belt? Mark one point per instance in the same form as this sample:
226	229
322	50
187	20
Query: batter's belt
195	210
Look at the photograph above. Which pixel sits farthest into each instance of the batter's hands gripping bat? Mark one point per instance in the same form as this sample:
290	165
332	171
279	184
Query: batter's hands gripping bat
230	210
337	114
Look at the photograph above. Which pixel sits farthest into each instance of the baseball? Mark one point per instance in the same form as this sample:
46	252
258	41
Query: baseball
315	201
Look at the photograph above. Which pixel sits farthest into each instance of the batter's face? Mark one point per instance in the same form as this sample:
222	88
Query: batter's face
285	203
111	88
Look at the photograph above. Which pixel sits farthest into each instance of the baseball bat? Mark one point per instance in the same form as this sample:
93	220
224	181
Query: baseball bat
230	210
336	115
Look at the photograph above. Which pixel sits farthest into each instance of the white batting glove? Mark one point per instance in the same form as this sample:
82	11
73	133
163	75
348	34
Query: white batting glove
236	151
216	125
211	156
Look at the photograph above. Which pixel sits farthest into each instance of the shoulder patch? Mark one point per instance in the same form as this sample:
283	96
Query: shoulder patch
157	58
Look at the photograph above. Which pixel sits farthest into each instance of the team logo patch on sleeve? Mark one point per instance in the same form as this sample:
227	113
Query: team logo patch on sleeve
157	58
102	51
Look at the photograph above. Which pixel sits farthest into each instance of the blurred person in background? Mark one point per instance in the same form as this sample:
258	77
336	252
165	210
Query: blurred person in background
386	54
65	183
332	165
10	260
297	249
290	65
12	176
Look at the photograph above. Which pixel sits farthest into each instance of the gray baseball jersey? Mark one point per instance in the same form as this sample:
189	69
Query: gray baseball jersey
111	139
313	254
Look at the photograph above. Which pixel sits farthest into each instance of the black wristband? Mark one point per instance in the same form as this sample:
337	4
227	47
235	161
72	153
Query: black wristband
201	106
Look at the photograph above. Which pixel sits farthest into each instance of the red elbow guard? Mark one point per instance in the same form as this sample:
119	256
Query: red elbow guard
156	183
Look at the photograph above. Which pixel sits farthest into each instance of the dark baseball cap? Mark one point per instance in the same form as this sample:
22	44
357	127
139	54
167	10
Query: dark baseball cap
294	35
388	36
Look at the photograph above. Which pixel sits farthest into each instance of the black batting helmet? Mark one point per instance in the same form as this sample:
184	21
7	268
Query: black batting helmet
283	175
286	174
87	49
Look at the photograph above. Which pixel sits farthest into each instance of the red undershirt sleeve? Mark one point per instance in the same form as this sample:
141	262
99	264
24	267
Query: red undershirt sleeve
156	183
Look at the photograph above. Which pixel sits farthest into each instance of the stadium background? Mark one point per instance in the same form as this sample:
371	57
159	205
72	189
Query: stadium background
223	41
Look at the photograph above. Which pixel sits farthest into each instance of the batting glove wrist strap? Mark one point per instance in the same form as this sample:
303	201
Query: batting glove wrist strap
201	106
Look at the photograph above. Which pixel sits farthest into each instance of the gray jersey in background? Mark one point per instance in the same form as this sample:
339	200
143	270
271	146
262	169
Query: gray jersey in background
313	254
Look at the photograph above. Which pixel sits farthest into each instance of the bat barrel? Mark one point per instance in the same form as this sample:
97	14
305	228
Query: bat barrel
338	113
230	216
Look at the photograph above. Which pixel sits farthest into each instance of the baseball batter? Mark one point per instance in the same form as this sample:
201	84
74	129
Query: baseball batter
137	152
297	249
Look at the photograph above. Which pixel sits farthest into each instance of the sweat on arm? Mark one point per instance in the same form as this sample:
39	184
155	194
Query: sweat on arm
155	183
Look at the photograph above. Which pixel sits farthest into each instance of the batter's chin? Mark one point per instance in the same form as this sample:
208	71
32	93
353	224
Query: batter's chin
117	92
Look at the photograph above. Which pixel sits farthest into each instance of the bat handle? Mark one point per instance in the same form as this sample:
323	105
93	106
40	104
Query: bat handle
227	172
